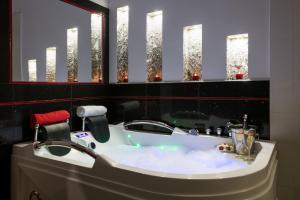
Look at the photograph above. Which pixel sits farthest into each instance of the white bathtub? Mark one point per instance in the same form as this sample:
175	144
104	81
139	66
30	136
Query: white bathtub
115	175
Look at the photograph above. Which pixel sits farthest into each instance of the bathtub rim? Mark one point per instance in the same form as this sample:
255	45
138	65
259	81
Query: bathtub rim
154	184
261	162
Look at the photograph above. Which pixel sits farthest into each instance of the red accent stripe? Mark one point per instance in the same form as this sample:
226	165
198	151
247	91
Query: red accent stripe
16	103
191	98
135	98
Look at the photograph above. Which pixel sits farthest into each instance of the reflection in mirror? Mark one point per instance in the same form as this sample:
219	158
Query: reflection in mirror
51	64
32	70
55	41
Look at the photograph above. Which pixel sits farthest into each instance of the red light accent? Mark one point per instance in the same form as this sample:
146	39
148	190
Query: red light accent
157	78
125	80
195	77
239	76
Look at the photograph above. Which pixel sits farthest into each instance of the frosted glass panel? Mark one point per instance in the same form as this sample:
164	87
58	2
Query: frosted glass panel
96	50
32	70
122	43
51	64
237	57
192	52
154	46
72	54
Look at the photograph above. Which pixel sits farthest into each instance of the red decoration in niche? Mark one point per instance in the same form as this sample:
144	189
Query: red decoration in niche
157	78
125	79
239	76
195	77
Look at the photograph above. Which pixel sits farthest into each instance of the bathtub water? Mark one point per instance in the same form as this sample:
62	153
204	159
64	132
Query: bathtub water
175	159
142	166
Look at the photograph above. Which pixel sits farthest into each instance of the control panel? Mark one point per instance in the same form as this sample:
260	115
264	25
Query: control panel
85	139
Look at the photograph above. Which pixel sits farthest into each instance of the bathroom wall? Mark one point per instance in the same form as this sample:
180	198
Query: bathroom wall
219	19
285	93
218	99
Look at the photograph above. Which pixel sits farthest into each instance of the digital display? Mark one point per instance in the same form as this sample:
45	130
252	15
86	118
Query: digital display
81	135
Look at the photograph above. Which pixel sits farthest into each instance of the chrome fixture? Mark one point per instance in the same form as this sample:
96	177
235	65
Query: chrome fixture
194	132
219	131
67	144
208	131
149	122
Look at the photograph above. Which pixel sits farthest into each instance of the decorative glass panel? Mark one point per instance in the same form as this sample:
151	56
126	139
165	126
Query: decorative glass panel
96	51
72	54
154	46
32	70
122	43
192	53
237	57
51	64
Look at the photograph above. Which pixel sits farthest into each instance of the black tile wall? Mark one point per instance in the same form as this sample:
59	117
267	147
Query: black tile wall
30	92
84	90
198	105
117	90
6	92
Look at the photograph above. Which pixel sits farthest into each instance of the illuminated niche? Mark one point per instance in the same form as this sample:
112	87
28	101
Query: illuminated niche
50	64
96	47
122	44
32	75
192	53
154	46
237	57
72	54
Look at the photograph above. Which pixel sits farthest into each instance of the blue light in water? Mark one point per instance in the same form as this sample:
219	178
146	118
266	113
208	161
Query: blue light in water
129	136
137	145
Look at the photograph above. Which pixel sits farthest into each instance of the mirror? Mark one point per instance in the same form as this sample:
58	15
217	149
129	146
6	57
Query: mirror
58	41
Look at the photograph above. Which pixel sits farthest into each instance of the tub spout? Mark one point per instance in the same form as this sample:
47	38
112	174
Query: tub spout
68	144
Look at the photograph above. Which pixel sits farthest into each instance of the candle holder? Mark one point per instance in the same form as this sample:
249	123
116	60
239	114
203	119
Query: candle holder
157	78
195	77
125	79
239	76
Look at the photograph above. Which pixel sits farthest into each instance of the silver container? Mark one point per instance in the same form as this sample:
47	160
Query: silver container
243	140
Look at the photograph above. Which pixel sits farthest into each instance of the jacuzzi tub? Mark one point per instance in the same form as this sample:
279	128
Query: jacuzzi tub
120	170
